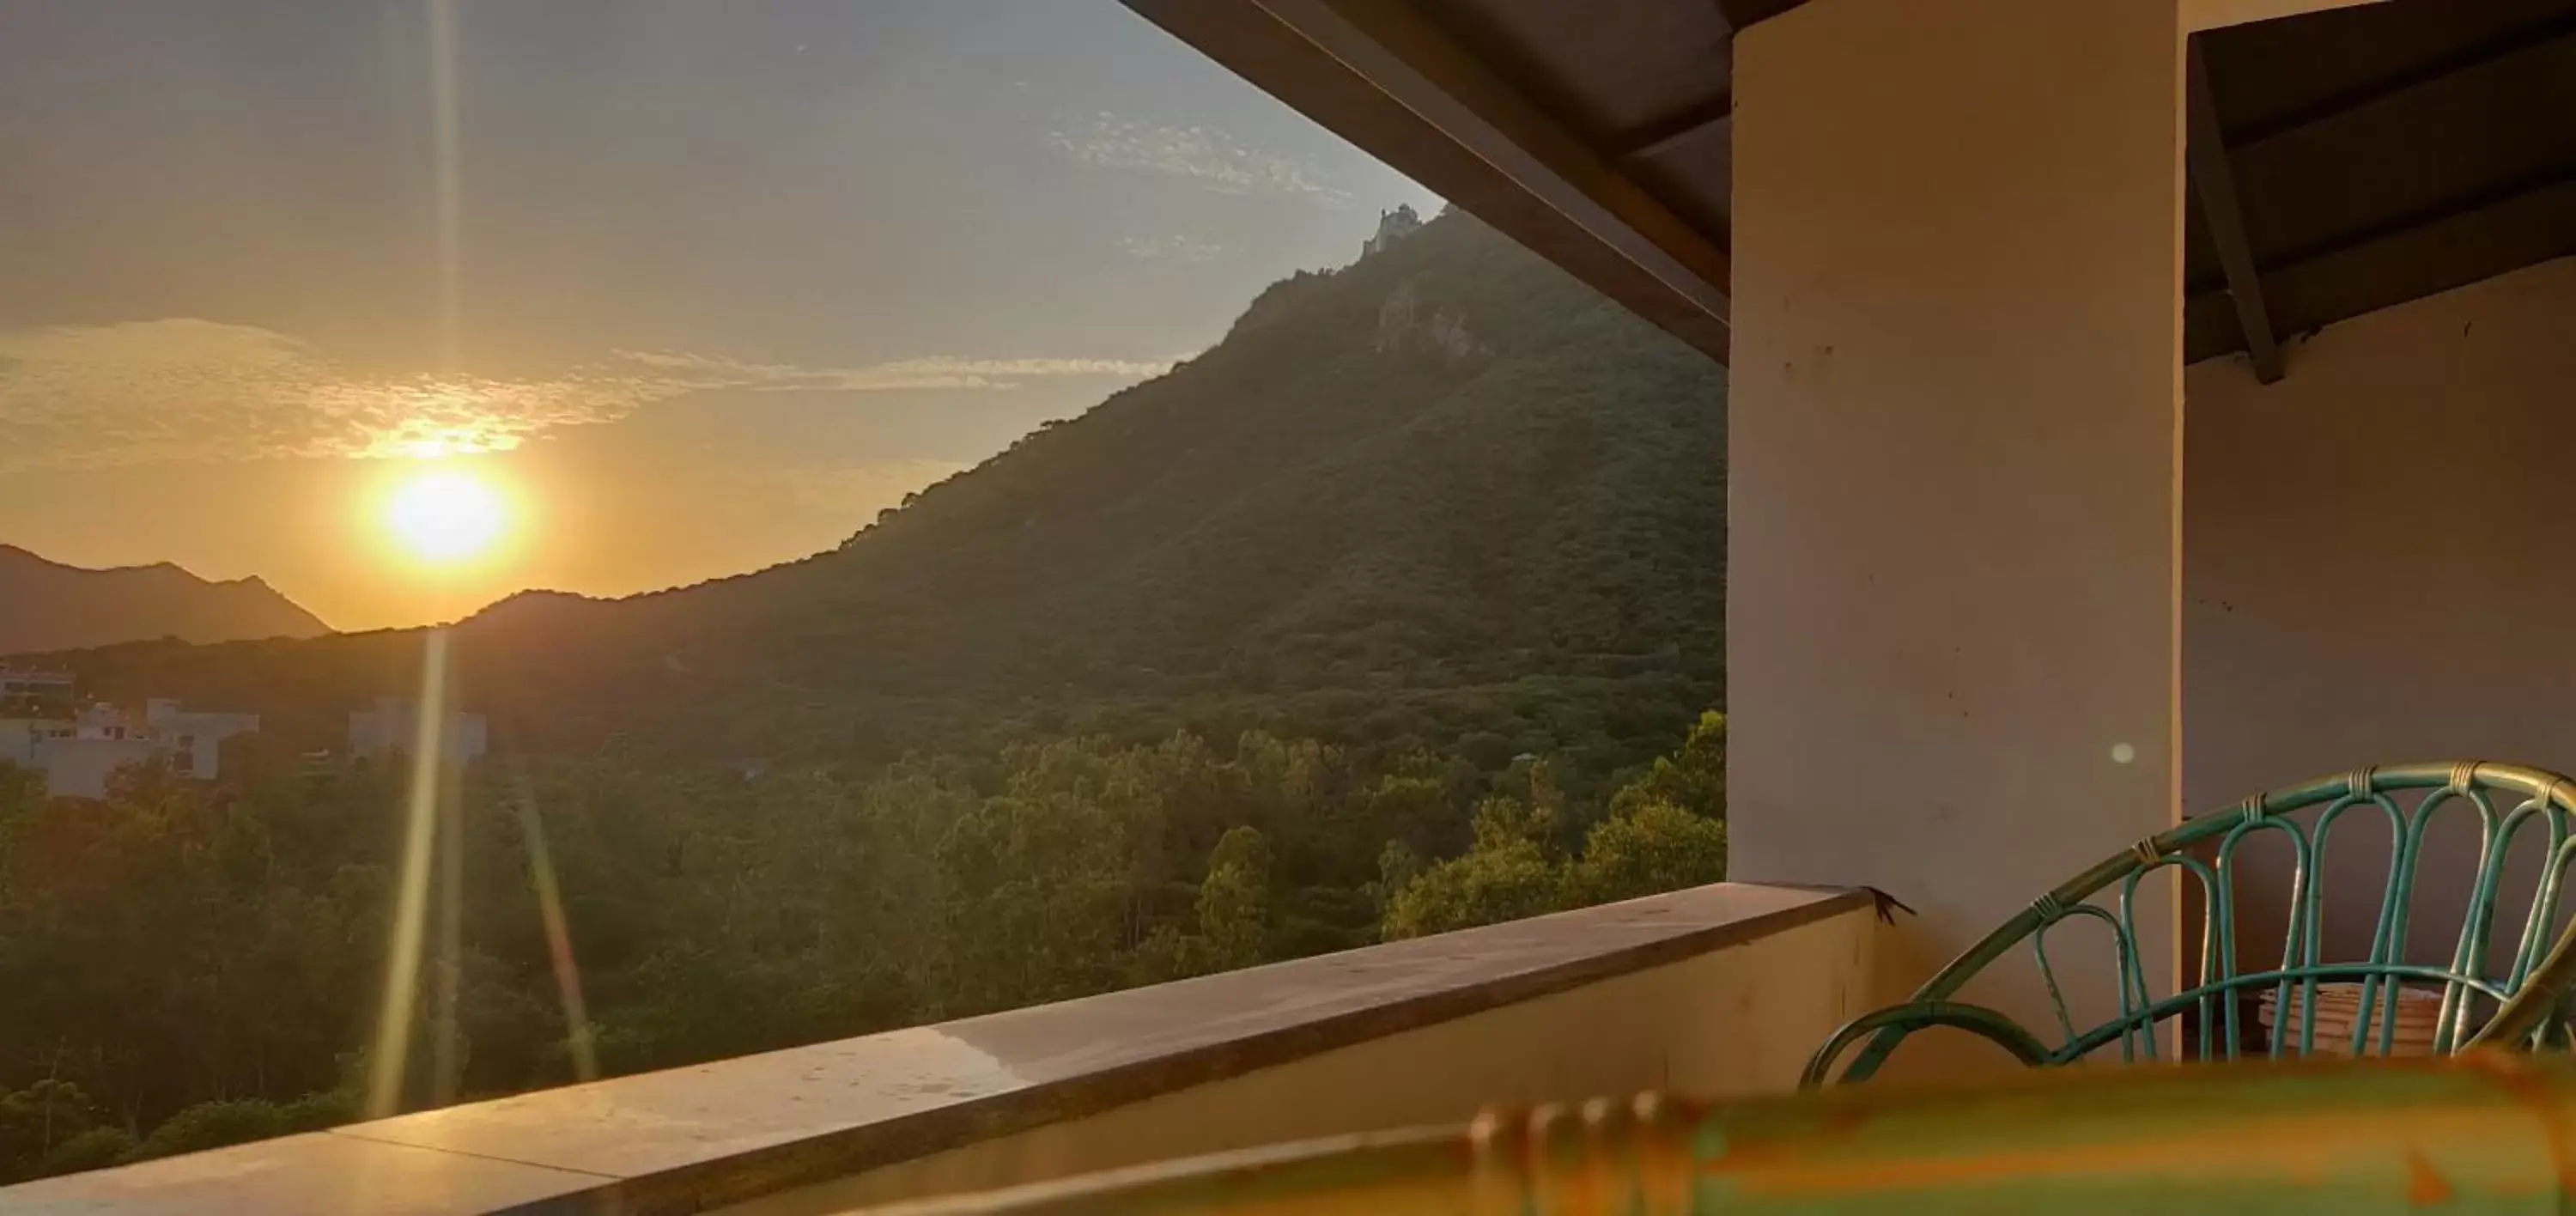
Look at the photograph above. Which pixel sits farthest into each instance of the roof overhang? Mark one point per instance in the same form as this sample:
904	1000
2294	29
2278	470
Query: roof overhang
2346	155
1390	79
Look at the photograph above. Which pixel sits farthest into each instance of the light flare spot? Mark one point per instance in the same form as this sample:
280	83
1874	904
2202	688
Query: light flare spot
446	517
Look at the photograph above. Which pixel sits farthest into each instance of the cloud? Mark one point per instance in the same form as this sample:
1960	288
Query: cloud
714	371
146	392
1203	156
1185	248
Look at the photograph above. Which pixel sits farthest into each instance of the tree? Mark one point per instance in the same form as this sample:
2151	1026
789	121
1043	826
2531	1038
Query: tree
1692	778
1651	842
1652	848
37	1121
1506	881
1234	901
214	1125
1397	866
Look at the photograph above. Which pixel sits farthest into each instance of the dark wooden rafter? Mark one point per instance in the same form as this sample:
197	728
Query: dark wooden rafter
2215	181
2466	59
1536	203
1673	130
2506	198
1401	53
2405	260
1741	13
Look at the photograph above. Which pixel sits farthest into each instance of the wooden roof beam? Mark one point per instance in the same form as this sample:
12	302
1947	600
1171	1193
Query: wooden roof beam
1382	76
2214	179
2432	72
1391	45
1673	130
1741	13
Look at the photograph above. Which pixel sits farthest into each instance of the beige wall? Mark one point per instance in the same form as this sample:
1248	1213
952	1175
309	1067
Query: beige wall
1953	449
2377	565
1733	1021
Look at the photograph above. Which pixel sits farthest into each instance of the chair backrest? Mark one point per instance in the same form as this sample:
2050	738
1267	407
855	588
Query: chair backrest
2524	991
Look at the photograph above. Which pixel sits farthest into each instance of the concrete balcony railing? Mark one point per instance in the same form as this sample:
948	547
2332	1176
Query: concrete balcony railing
1721	990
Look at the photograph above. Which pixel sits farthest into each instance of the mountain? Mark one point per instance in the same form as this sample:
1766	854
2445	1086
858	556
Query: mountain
1445	496
46	605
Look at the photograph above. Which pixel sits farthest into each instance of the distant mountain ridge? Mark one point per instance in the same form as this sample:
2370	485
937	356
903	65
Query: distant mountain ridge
1446	495
47	605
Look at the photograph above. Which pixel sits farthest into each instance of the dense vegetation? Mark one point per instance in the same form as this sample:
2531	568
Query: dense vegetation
189	965
1395	612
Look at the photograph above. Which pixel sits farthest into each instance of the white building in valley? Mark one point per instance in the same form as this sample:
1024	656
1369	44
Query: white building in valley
34	682
35	705
194	738
78	754
20	735
394	726
80	766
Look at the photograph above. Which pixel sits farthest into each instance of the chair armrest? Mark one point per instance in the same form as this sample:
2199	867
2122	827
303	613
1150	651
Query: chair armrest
1895	1022
2523	1021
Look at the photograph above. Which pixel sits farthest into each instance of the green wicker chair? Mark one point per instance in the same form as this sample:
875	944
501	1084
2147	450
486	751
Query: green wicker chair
2526	998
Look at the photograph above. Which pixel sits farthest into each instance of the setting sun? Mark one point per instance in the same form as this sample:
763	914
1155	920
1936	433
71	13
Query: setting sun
445	517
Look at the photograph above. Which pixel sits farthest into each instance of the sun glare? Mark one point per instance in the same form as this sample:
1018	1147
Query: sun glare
446	517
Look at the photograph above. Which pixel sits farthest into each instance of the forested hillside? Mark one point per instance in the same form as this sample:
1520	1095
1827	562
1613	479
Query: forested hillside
1395	612
1446	496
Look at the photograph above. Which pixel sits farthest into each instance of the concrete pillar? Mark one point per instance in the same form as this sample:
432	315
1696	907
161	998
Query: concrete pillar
1954	457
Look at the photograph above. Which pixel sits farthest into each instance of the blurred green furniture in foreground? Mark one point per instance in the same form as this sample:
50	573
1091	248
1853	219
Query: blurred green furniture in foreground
2372	1005
2453	1129
2481	1132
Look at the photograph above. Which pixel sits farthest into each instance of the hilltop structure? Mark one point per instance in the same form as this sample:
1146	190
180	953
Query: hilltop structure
1392	226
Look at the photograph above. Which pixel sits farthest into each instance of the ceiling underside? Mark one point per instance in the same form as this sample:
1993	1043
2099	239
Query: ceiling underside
2377	154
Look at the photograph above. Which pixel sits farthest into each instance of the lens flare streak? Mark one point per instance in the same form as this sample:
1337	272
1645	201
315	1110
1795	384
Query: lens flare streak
385	1064
541	873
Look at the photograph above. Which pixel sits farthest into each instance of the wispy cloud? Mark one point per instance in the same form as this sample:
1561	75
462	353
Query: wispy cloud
1182	247
695	371
1204	156
147	391
191	390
